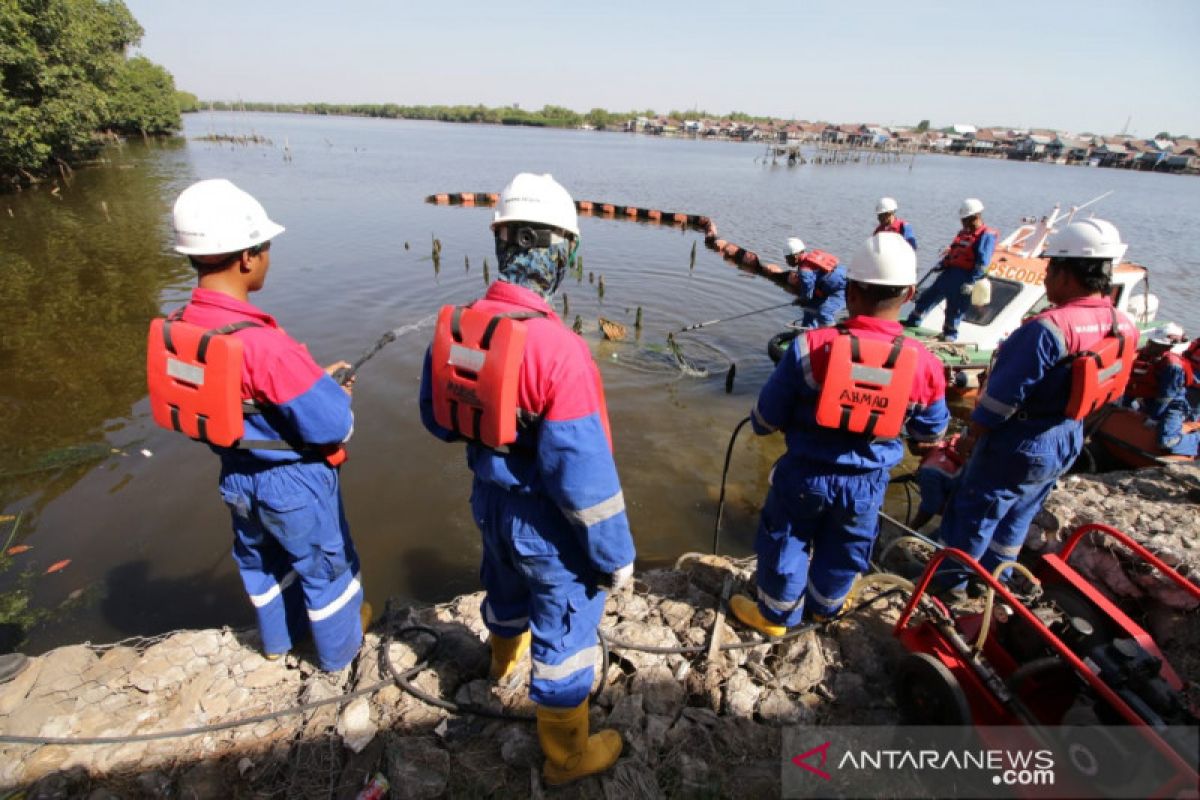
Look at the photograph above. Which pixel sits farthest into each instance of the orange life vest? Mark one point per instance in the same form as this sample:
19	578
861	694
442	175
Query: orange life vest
867	385
1100	375
476	366
962	250
1143	383
817	260
195	380
1192	357
895	226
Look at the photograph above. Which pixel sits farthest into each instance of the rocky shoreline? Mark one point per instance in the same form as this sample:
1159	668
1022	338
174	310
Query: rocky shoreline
705	723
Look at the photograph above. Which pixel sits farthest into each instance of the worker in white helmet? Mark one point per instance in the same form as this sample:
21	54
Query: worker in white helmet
965	262
818	282
1159	386
1024	432
820	520
524	393
885	212
279	477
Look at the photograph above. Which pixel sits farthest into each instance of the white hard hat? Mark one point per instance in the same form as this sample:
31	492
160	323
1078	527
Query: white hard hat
795	246
886	205
538	199
213	217
1087	238
885	259
1167	334
970	207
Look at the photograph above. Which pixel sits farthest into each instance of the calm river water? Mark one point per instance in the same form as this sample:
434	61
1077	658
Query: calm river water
136	509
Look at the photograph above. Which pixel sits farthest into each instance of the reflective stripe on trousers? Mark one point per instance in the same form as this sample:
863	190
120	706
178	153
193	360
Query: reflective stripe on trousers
293	549
538	578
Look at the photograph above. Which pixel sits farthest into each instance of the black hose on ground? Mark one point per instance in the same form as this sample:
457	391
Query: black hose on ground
724	476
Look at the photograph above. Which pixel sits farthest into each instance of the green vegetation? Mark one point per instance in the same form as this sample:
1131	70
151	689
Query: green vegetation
64	77
549	116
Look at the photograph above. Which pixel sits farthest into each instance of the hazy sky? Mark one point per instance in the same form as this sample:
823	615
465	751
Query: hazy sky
1080	66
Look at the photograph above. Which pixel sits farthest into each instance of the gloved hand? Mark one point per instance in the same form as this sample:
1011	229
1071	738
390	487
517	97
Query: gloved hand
967	288
617	580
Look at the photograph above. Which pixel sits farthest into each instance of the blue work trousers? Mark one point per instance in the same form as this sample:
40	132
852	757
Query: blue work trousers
1171	435
538	577
947	286
936	488
820	314
1002	488
814	538
292	546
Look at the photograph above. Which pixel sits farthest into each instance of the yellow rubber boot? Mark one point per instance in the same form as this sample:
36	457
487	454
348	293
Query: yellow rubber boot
365	614
570	752
506	652
746	610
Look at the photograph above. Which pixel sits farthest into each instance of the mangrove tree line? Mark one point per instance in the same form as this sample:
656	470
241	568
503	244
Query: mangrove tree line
66	79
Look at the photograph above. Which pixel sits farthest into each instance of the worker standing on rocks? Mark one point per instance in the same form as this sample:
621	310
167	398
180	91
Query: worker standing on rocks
841	396
1159	386
1022	436
965	262
885	212
280	480
818	281
546	495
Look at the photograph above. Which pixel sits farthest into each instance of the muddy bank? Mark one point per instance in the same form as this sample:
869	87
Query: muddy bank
705	722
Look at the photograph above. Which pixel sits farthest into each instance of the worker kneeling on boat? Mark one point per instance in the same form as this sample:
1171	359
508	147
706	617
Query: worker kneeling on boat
546	495
841	396
818	281
1159	387
1027	429
223	372
965	262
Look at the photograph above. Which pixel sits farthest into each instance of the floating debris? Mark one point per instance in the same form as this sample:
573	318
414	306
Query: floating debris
613	331
57	566
104	208
591	277
692	265
18	549
406	245
467	263
242	139
146	453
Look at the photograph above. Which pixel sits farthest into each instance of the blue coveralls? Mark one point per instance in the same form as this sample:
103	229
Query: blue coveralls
936	487
551	511
822	295
1171	409
291	539
949	285
820	518
1029	442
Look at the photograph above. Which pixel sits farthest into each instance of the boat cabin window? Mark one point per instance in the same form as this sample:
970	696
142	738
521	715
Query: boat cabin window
1004	292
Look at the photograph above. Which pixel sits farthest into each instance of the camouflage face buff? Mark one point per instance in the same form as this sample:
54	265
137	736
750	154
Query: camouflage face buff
539	269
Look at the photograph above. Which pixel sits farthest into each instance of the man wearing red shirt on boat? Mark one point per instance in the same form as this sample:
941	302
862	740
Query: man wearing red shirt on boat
841	396
1027	428
818	281
885	212
1159	388
965	262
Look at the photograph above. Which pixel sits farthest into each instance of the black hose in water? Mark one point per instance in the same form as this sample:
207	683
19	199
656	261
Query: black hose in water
724	476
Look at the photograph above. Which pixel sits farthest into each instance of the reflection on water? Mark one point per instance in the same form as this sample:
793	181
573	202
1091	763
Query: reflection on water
83	272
